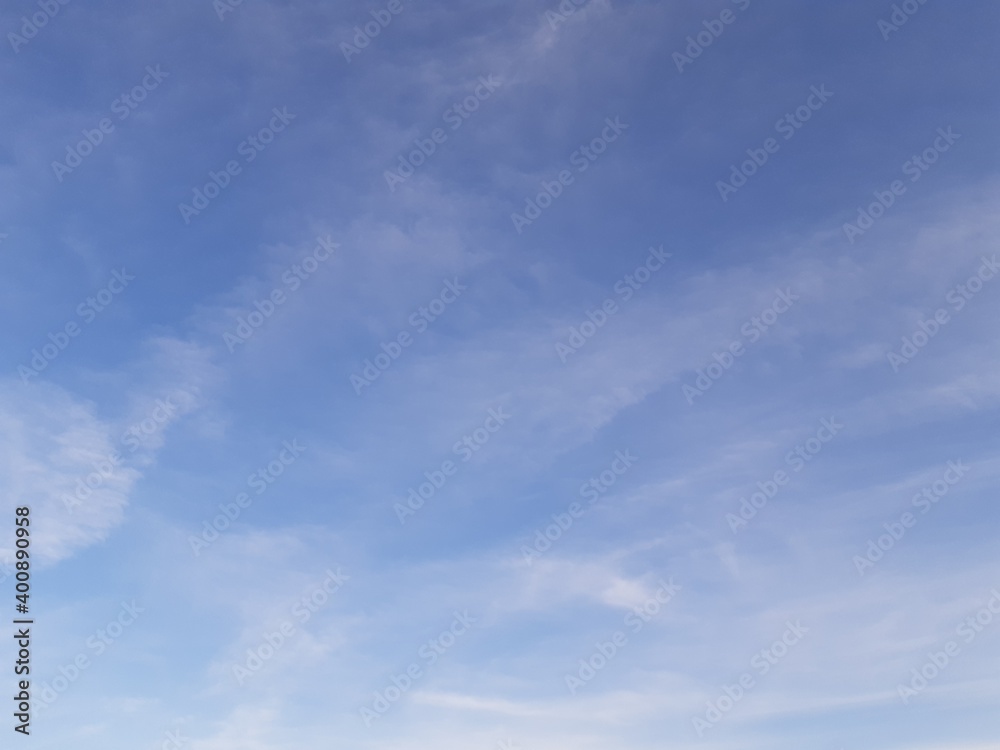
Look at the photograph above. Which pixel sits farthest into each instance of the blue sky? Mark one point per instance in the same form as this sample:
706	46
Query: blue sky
689	308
